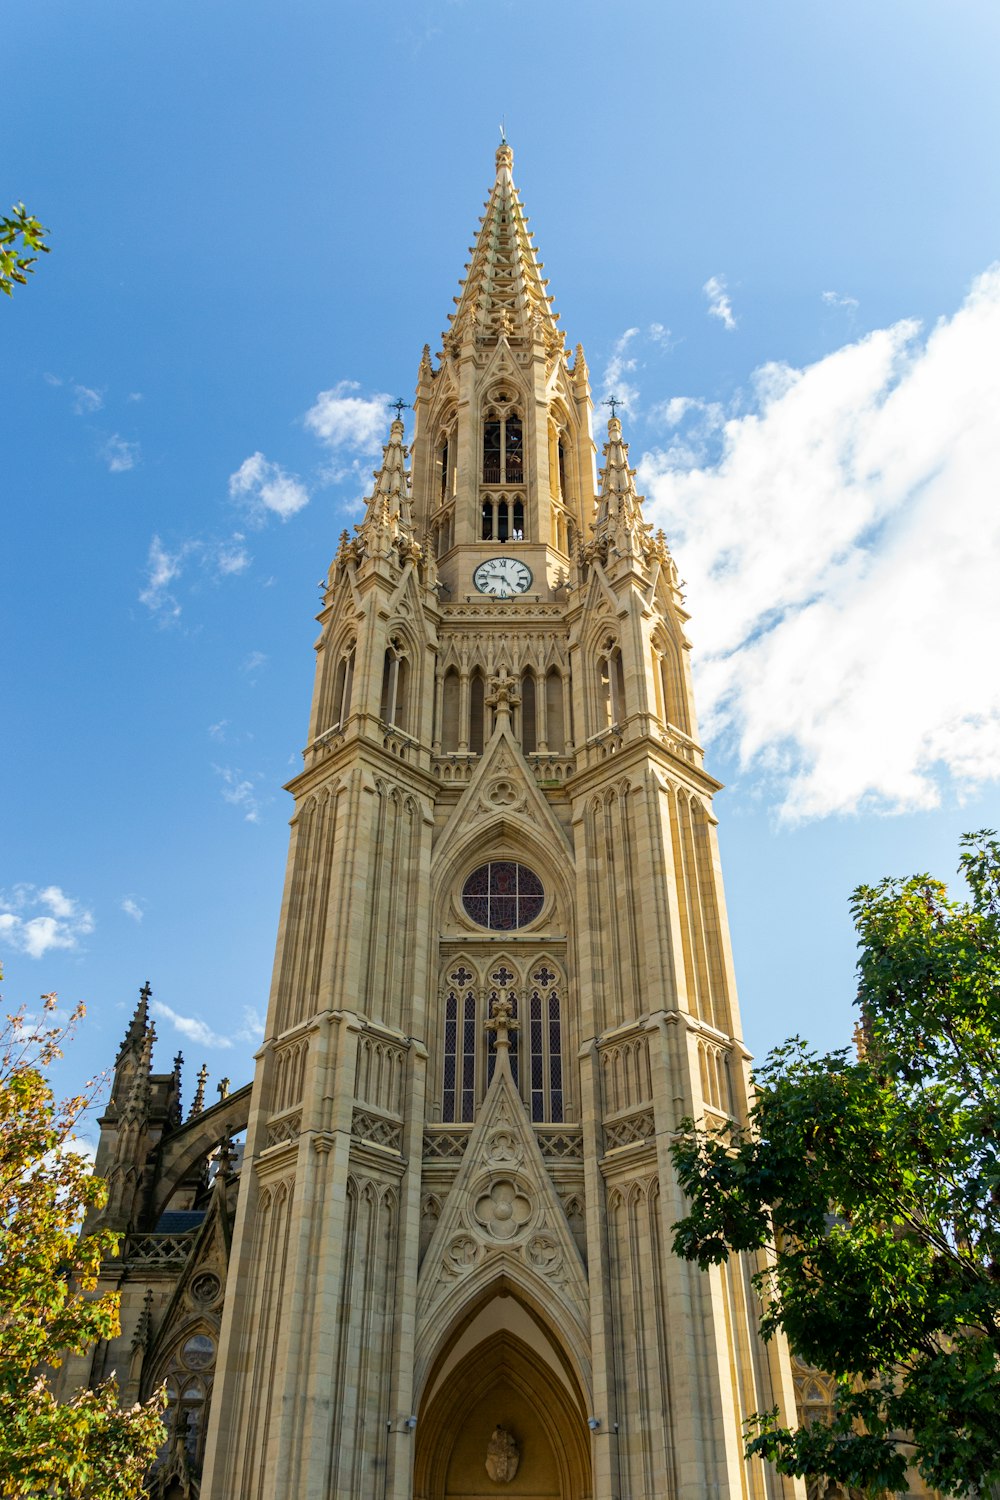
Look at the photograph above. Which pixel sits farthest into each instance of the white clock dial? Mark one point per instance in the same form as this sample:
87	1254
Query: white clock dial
501	577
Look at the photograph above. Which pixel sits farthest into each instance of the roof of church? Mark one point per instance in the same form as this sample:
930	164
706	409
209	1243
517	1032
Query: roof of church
177	1221
504	292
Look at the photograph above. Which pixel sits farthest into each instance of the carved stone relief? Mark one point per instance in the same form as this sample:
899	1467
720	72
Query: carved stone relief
502	1456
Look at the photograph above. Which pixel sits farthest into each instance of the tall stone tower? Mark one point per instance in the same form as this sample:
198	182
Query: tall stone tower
502	977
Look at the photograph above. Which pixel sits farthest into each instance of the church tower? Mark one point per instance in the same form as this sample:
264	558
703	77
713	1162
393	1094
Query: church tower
502	977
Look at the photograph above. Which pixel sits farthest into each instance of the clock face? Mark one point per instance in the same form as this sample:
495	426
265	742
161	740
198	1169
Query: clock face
502	577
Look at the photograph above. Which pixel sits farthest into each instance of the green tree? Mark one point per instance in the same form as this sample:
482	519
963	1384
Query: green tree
86	1448
19	233
869	1186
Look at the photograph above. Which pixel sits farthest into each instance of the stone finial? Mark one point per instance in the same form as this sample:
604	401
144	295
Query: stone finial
503	694
198	1102
501	1022
225	1160
144	1325
223	1088
505	158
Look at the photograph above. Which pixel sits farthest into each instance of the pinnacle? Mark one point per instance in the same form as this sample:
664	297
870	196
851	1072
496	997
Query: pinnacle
389	506
139	1024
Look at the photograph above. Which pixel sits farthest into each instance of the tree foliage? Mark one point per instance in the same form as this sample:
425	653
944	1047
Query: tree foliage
19	233
870	1187
86	1447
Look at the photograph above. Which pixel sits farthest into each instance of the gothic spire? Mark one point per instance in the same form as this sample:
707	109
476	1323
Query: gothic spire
619	530
137	1103
504	292
139	1024
389	511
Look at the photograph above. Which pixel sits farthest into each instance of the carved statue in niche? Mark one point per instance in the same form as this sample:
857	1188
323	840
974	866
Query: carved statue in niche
502	1456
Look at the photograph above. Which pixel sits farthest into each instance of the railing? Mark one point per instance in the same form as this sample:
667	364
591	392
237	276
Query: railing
159	1249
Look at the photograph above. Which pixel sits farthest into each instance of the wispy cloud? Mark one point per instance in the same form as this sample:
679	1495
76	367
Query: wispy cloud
839	299
132	908
35	919
239	790
218	731
165	566
264	489
119	455
195	1029
341	419
619	370
253	662
719	303
232	557
86	401
839	531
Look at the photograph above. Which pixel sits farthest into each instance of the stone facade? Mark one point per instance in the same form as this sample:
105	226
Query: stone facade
502	977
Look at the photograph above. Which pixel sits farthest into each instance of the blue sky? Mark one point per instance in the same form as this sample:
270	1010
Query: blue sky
771	226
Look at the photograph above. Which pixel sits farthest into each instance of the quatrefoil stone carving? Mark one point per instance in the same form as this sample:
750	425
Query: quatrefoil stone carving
503	1210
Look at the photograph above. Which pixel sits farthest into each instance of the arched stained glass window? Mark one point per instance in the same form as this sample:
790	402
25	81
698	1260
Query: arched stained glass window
544	1060
458	1101
503	895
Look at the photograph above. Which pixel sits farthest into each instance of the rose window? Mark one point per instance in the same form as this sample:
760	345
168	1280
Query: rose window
503	895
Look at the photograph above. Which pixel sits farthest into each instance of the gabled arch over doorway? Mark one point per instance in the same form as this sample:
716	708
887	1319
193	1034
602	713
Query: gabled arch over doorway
501	1382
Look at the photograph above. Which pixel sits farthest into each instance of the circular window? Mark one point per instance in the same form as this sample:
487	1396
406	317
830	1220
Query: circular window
503	895
198	1351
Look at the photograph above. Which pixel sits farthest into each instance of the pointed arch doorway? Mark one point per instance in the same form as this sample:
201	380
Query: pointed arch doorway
505	1398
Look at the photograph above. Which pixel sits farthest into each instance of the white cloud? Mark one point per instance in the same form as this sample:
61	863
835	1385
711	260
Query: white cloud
841	554
218	731
164	568
253	662
264	487
120	455
232	557
252	1029
190	1026
719	303
86	401
132	908
341	419
34	920
134	396
621	364
239	791
838	299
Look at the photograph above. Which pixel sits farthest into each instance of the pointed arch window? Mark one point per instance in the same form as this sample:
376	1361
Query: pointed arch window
611	685
458	1102
395	685
451	695
544	1046
529	713
503	449
443	458
477	712
343	684
555	723
534	995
